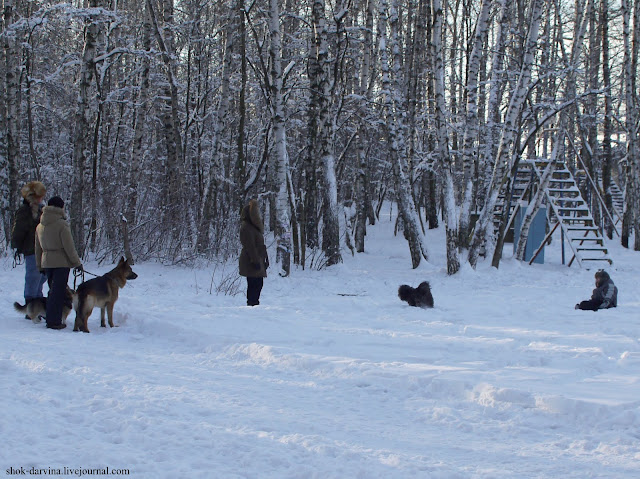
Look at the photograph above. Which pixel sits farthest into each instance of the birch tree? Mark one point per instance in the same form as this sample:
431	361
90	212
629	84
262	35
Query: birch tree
83	120
395	115
607	128
449	206
631	37
470	145
323	147
364	92
277	105
12	120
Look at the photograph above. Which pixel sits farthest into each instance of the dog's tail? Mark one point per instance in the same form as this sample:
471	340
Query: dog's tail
20	308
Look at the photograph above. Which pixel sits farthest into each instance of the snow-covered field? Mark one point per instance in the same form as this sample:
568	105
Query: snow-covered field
332	376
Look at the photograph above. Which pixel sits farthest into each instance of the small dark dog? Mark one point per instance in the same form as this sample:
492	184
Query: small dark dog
419	297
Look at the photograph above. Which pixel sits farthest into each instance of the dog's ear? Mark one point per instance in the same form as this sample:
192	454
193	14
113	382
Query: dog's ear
122	260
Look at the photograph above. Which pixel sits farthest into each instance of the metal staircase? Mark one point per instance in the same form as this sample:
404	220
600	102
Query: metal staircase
617	199
521	185
571	213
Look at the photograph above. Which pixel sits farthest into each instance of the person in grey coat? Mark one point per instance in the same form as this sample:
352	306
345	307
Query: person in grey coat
604	296
55	255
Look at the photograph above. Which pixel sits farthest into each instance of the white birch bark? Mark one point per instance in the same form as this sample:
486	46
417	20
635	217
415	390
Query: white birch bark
81	135
470	137
364	94
283	214
325	138
394	116
444	160
505	157
495	93
12	121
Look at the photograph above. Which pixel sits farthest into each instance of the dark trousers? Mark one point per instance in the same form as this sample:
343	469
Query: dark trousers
58	278
589	305
254	287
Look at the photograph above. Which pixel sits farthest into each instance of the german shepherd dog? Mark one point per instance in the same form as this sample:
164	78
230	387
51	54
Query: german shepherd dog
36	308
420	297
101	292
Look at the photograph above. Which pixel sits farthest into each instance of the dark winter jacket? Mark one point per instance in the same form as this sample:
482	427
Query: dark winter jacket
23	234
54	243
606	295
253	257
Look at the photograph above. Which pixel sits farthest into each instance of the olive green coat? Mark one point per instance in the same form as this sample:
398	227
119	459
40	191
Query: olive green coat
253	251
23	233
54	244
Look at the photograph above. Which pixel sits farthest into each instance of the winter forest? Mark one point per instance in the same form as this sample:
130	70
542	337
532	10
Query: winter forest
157	120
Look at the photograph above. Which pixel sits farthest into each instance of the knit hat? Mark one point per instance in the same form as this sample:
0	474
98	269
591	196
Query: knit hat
56	201
33	189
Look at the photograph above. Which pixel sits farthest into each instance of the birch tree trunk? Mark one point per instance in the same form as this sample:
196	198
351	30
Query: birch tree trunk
9	186
394	113
470	144
495	95
631	37
324	137
607	163
283	213
361	195
81	148
444	161
505	157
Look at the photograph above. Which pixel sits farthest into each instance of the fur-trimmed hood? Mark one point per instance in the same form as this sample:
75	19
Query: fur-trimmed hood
30	192
33	189
251	214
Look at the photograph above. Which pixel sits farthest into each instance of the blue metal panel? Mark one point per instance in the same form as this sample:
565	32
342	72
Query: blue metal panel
537	232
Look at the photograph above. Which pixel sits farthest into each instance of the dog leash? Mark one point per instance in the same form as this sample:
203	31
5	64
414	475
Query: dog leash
80	273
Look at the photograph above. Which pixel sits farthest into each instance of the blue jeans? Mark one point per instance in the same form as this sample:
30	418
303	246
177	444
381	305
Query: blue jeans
33	279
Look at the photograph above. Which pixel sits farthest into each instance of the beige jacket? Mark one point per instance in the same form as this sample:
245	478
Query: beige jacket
54	244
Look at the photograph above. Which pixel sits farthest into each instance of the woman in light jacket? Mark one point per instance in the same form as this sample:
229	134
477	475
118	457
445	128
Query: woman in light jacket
56	255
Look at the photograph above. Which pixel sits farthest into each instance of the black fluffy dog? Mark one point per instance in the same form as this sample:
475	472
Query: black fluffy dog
420	296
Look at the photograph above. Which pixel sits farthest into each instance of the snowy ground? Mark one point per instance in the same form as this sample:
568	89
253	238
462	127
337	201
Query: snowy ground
332	376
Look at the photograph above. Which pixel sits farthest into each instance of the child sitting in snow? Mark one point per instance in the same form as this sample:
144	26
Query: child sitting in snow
604	296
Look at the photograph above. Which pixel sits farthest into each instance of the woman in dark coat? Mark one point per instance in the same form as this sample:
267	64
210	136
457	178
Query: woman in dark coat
23	237
253	257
